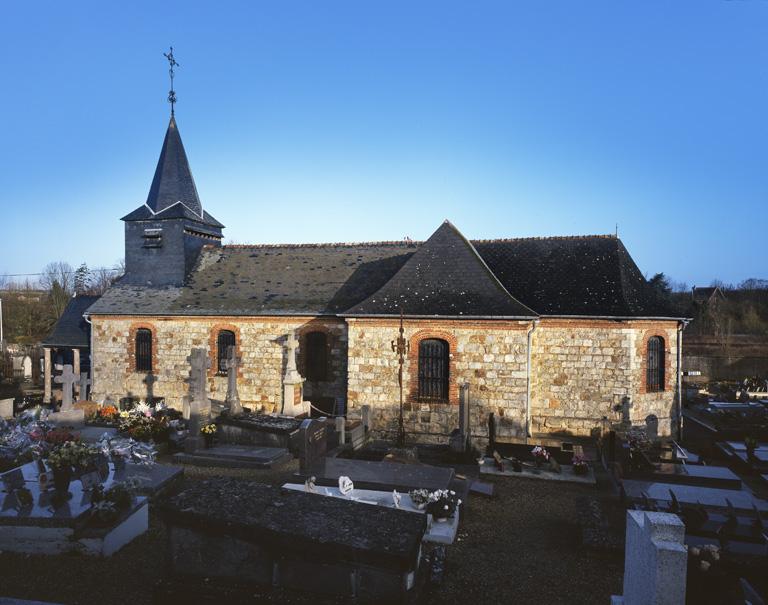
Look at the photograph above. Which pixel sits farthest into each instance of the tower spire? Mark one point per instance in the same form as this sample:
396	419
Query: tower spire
171	63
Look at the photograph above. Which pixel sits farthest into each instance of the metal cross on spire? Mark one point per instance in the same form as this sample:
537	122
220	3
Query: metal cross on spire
172	63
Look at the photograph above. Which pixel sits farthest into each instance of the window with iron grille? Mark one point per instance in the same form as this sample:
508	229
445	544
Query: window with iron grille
224	340
655	365
316	356
143	350
433	370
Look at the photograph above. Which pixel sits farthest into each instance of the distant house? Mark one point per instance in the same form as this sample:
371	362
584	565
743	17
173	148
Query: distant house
550	334
69	342
706	296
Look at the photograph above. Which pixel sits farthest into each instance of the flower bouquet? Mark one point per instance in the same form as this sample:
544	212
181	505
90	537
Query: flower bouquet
580	466
420	498
442	504
208	432
540	455
69	456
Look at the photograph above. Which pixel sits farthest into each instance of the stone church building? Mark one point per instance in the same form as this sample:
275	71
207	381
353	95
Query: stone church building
551	334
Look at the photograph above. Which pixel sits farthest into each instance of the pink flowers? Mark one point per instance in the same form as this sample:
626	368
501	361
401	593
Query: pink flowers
540	453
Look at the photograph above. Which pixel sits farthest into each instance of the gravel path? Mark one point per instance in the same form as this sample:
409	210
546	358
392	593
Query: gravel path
522	546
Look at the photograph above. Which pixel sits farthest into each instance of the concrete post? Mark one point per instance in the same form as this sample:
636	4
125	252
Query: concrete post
47	375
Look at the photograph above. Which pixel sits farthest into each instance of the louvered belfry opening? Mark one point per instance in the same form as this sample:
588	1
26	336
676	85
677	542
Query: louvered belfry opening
143	350
224	340
316	356
655	365
433	370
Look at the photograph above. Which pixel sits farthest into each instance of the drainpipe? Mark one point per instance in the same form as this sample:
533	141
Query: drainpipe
529	335
680	327
90	349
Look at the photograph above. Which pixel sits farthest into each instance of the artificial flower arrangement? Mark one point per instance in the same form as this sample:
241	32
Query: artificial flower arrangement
144	428
540	455
580	465
208	429
60	436
108	503
441	503
72	454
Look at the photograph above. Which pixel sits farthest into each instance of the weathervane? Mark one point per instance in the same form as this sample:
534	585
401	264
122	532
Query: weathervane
172	63
401	346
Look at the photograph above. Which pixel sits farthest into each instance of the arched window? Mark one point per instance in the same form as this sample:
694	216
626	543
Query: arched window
433	370
143	350
316	356
654	380
224	340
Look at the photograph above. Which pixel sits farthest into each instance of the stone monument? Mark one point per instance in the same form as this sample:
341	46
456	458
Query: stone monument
655	560
85	382
26	366
67	414
233	398
197	406
293	383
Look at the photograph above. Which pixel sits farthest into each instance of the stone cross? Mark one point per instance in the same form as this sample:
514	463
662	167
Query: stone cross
66	380
198	404
291	373
233	398
85	382
150	381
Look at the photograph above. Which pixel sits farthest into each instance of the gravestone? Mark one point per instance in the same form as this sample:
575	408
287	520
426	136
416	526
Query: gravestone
150	381
491	433
27	368
232	363
626	407
293	383
313	443
341	429
66	380
67	415
6	408
365	411
461	440
652	427
655	560
198	406
85	382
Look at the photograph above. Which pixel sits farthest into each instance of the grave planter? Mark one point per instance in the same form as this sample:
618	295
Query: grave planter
62	476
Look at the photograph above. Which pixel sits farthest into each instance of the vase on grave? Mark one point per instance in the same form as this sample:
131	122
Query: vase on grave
62	476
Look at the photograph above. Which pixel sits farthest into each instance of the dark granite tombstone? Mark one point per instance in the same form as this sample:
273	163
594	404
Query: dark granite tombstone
226	530
314	442
382	476
260	430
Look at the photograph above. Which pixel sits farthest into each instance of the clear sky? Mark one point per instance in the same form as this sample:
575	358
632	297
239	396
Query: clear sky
356	121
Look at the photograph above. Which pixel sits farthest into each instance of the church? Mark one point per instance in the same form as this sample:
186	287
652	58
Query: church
552	335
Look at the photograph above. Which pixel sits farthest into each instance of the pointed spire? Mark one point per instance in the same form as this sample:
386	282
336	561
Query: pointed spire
173	180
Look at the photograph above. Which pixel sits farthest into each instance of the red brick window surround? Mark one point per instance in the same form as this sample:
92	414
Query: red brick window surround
220	338
142	348
432	368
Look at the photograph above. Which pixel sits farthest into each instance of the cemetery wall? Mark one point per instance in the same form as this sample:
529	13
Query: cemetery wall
260	342
490	355
583	369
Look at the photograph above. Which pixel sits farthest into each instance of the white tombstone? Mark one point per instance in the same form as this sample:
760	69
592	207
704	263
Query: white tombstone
655	560
27	367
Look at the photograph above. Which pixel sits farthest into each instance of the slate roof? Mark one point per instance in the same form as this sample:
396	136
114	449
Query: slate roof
445	276
71	330
173	193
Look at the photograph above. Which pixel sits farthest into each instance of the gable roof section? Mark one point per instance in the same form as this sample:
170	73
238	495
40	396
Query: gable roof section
445	277
71	329
573	276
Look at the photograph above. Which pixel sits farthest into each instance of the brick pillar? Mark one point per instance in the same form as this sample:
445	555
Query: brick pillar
47	375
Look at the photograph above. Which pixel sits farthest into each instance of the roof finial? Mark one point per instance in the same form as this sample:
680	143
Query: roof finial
617	230
172	63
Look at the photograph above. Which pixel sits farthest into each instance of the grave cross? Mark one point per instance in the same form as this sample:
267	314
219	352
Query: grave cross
233	398
66	380
400	346
150	381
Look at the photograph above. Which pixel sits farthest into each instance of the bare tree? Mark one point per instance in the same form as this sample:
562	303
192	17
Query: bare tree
101	279
58	279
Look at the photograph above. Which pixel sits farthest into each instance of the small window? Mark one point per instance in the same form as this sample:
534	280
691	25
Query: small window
433	370
143	350
655	365
316	356
224	340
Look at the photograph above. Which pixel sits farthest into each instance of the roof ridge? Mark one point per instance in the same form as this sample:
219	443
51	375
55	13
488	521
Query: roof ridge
403	243
543	237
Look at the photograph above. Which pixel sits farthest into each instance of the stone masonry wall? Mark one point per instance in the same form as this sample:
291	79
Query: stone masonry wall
583	369
490	355
260	342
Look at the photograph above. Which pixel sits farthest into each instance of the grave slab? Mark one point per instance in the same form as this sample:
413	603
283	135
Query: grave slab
687	494
228	529
73	417
381	476
705	476
438	532
567	475
259	429
236	456
48	526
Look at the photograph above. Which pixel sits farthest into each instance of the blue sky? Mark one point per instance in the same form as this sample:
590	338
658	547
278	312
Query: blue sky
357	121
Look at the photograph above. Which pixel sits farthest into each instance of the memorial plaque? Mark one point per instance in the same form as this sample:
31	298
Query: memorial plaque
13	480
90	480
313	442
